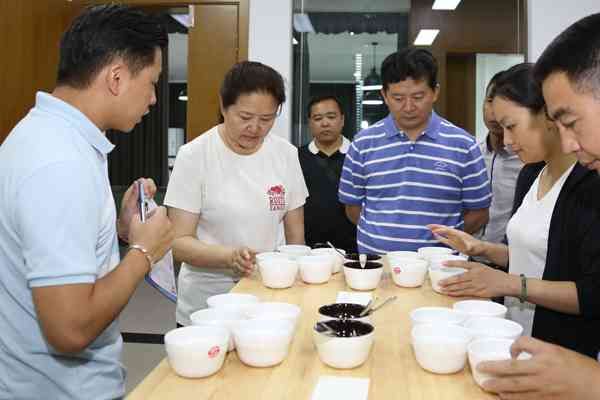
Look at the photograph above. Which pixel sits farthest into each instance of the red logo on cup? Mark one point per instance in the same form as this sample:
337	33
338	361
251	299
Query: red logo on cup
214	351
397	270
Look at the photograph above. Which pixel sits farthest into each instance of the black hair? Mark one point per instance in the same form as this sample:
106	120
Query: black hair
516	84
493	81
410	62
317	99
576	52
102	33
250	77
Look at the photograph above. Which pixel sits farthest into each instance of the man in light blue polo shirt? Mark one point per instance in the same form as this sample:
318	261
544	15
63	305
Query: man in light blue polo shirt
62	284
413	168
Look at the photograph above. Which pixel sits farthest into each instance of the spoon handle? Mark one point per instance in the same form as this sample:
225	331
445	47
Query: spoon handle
325	329
386	301
333	247
367	309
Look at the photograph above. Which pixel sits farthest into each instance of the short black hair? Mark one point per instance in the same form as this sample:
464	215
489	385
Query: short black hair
102	33
248	77
576	52
410	62
516	84
317	99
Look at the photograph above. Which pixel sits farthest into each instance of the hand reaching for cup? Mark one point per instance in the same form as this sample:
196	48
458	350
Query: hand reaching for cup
553	372
479	281
458	240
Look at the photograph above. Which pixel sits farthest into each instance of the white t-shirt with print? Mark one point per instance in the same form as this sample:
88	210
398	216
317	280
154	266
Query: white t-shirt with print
241	199
527	233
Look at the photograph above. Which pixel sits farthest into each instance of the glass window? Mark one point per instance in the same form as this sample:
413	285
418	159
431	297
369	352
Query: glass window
338	49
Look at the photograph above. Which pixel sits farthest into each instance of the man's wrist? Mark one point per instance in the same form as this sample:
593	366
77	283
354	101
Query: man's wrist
141	249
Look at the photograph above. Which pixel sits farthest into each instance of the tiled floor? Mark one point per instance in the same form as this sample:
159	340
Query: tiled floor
147	312
140	359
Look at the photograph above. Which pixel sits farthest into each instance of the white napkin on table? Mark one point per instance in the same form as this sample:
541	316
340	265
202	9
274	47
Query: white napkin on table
354	297
333	387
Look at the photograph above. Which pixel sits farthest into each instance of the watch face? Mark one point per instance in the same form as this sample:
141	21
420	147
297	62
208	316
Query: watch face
523	296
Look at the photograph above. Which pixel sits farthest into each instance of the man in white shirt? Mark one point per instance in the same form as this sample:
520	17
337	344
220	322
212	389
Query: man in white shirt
570	76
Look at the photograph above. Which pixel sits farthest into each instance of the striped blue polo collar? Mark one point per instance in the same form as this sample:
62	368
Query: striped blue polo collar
45	102
430	131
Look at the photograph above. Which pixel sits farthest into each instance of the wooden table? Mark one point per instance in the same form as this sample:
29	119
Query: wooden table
391	366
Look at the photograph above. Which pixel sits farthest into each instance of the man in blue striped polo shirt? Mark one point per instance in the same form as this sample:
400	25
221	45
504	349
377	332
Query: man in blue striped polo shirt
412	168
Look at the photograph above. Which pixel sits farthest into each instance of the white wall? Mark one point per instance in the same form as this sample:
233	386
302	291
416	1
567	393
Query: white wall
547	18
486	66
178	57
270	42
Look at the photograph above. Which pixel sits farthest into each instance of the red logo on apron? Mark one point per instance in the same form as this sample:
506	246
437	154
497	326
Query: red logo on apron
214	351
276	198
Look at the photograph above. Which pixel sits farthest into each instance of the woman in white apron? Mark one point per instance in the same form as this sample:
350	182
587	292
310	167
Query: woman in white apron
232	189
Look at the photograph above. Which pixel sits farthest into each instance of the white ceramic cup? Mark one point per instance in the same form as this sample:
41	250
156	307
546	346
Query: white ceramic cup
232	301
362	278
488	349
408	272
278	272
438	274
427	252
437	261
294	251
402	254
436	315
493	327
274	311
222	317
338	258
481	308
270	254
344	352
197	351
263	342
316	268
440	348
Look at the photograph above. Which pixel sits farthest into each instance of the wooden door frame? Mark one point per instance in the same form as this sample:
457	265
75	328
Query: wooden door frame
198	124
243	10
